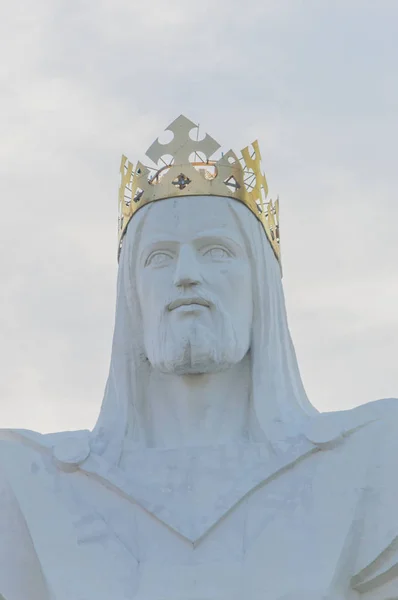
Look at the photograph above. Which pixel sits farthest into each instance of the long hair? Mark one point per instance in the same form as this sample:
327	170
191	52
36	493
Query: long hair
278	398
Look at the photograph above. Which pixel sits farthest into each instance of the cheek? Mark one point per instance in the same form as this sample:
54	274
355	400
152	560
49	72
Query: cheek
153	288
235	286
145	293
237	275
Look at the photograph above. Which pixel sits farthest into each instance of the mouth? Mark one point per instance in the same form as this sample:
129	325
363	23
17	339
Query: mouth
188	302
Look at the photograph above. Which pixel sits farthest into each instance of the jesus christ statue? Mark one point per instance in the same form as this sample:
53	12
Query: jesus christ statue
209	475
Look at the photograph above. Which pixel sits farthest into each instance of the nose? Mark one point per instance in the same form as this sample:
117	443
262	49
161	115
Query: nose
187	268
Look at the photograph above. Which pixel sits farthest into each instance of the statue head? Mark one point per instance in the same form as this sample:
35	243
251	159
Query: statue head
199	288
194	285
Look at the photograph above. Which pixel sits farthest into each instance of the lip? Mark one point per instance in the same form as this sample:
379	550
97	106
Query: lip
187	302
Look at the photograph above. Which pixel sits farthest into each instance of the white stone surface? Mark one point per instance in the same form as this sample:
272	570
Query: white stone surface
209	475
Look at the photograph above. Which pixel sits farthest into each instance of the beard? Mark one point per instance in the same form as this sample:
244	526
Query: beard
188	345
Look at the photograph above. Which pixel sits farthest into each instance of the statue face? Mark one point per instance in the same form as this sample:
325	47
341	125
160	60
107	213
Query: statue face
194	286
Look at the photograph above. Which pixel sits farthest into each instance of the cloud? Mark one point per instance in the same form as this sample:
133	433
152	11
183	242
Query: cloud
84	82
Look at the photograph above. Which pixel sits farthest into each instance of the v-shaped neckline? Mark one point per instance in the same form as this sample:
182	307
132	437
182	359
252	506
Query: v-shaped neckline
190	490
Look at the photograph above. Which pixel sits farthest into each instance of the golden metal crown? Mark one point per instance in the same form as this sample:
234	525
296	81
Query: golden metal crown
184	168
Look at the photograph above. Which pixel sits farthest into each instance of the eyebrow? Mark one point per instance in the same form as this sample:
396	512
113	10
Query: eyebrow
216	232
203	234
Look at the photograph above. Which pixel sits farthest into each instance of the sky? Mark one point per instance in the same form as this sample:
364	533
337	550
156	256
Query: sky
82	82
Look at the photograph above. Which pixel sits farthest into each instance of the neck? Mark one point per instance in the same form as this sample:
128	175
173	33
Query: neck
198	410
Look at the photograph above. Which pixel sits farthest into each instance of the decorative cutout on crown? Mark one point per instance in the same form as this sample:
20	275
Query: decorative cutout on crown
184	168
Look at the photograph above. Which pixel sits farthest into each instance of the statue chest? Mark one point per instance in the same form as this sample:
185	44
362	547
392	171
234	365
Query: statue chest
260	537
252	538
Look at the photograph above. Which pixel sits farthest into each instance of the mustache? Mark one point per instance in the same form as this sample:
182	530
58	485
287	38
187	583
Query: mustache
204	298
188	301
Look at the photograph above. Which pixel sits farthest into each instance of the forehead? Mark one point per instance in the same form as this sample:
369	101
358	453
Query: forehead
187	217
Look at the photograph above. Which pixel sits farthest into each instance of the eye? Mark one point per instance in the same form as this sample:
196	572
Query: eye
217	253
158	259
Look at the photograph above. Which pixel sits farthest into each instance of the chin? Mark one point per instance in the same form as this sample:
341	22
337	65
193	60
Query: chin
197	350
194	360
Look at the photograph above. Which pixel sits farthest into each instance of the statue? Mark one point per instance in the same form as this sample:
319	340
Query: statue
209	475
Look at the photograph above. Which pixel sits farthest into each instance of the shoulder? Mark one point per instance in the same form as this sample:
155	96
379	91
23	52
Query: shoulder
374	419
68	448
20	571
29	464
367	436
40	440
369	433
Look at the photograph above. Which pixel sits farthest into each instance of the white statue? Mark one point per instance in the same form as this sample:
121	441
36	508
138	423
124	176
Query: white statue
209	475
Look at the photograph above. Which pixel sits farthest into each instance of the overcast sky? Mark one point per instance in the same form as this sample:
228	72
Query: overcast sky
81	82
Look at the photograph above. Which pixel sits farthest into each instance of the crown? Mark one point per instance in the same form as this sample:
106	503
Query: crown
184	167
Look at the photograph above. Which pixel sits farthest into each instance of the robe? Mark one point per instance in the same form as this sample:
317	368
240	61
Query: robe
316	519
